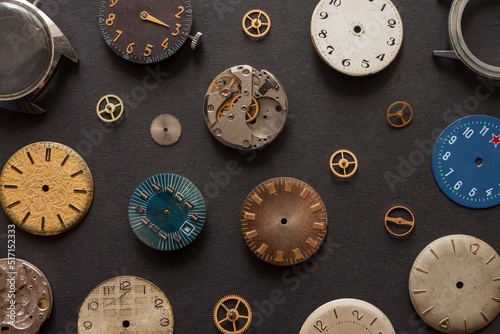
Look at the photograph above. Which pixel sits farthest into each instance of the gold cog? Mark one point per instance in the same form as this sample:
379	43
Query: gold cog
232	315
252	111
224	78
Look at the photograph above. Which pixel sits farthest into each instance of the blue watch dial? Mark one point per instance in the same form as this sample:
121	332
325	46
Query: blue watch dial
466	161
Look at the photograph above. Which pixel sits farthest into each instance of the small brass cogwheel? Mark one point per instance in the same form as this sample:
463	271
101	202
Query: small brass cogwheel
232	315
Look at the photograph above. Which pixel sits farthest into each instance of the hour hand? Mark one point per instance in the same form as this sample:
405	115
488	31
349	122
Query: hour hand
146	17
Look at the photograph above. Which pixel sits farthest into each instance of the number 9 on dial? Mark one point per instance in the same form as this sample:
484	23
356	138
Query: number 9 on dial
357	37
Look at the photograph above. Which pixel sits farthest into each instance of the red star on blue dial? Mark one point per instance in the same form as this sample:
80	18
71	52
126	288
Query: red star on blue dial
495	140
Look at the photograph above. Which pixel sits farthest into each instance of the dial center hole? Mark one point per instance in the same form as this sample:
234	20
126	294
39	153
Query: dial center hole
479	162
357	29
284	221
126	324
165	129
45	188
460	285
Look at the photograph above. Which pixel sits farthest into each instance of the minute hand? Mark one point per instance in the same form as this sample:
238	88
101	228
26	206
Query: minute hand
146	17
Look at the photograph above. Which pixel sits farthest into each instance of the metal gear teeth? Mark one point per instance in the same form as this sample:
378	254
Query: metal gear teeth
160	137
219	305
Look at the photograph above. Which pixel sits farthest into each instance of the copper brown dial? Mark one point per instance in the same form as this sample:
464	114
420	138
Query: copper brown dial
284	221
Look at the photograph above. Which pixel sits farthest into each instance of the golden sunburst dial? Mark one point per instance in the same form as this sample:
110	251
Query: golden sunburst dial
46	188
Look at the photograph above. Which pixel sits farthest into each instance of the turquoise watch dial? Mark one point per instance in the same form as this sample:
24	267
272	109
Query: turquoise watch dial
167	212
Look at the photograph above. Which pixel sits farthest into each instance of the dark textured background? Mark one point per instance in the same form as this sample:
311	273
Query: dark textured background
328	111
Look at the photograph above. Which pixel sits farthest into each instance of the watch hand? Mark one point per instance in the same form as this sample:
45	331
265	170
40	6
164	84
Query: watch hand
146	17
123	295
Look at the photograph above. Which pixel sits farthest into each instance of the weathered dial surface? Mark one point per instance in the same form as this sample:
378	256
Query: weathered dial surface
46	188
284	221
27	287
126	304
357	37
455	284
350	316
145	31
466	160
167	212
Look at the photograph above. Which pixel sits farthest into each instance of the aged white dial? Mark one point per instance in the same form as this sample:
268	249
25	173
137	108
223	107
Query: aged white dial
351	316
126	304
357	37
455	284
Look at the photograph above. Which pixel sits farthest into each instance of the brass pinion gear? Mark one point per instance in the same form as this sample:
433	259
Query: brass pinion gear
252	111
232	315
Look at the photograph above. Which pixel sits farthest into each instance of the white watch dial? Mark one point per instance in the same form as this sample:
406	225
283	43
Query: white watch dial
357	37
352	316
455	284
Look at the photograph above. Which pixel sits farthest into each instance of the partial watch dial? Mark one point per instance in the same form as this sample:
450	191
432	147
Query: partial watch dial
145	31
466	161
347	316
357	37
126	304
455	284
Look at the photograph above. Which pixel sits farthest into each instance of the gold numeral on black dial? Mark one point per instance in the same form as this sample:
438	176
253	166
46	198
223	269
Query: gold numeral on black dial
113	3
119	32
177	26
111	20
178	15
130	48
149	48
165	44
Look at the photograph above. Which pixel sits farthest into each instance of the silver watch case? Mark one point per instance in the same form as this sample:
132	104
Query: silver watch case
60	46
460	50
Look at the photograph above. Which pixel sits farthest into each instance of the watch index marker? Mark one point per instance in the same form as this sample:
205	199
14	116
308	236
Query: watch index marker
419	291
43	223
60	220
74	208
80	172
422	270
28	214
485	317
30	157
10	186
65	160
10	206
428	310
17	169
434	253
48	152
491	259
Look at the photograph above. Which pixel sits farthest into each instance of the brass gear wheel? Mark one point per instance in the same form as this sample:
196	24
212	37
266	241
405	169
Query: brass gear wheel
252	111
232	315
221	83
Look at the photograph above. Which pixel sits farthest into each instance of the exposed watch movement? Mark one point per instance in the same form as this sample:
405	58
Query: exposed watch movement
244	108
